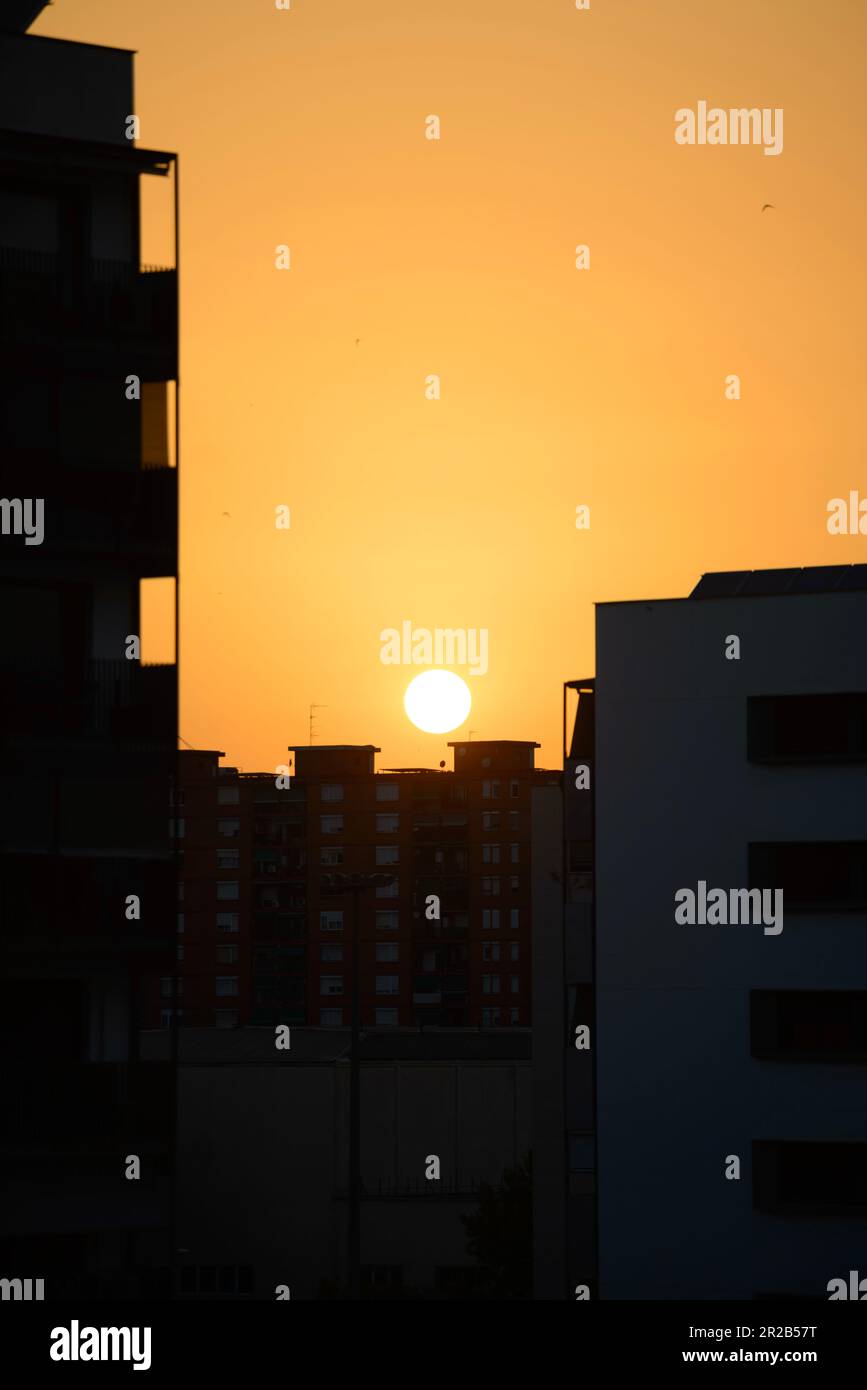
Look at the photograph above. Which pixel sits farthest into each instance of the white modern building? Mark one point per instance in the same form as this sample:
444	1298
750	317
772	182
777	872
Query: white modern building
731	752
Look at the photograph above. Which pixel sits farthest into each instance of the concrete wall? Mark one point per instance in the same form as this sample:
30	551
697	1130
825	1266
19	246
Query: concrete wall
677	801
262	1163
549	1047
72	90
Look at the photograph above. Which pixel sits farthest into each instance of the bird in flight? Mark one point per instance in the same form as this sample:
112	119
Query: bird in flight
357	341
768	205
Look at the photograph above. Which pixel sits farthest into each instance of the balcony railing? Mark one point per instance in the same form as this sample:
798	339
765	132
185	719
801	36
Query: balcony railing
108	699
42	296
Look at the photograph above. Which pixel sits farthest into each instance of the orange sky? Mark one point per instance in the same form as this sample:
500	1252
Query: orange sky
456	257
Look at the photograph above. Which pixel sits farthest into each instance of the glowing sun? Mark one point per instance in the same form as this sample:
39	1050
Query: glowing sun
437	701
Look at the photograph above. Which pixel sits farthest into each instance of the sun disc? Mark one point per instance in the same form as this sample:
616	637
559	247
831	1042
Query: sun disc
437	702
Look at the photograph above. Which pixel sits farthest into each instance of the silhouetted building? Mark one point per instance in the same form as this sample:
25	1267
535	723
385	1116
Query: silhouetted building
266	935
564	1195
263	1158
88	737
728	763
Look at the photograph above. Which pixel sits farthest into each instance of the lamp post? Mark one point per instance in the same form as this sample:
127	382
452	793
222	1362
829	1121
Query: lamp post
356	885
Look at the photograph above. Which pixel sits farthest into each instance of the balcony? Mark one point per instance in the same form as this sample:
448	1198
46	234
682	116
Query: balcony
42	300
109	699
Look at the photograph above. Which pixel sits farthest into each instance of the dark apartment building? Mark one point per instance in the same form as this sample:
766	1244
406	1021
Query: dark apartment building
89	512
266	922
697	763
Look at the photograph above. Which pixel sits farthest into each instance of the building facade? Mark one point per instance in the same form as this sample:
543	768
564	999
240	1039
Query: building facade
264	1159
731	754
89	515
266	934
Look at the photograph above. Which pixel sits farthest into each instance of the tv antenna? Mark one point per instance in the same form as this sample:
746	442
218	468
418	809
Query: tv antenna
312	719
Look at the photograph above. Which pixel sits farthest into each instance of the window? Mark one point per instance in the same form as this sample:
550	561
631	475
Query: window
387	791
491	919
180	922
815	1025
330	1018
490	1018
330	953
387	823
176	796
514	917
227	955
180	892
387	854
331	825
226	1018
513	820
514	788
385	951
228	859
515	984
382	1276
179	951
514	1015
216	1278
798	1178
387	984
166	986
227	890
513	854
331	791
331	920
166	1016
229	829
815	876
386	1018
387	921
490	984
330	984
513	950
177	829
490	854
807	728
491	791
389	890
490	820
490	950
227	921
228	796
331	854
491	886
226	986
514	883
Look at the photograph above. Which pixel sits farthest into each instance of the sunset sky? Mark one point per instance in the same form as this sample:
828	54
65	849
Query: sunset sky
457	257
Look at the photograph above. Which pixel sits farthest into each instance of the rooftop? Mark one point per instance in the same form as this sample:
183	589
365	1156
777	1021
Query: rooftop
818	579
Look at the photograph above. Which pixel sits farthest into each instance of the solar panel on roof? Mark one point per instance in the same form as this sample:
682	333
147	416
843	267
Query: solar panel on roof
763	582
814	579
722	584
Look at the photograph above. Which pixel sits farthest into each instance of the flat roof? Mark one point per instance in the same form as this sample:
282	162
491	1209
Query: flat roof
333	747
69	43
494	743
810	579
63	149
